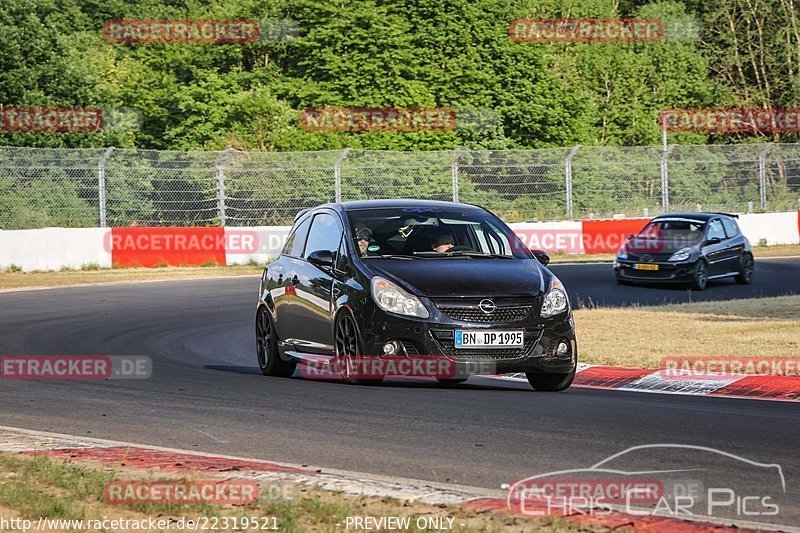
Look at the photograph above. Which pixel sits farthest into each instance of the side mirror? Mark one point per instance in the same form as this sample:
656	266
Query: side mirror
542	256
713	240
629	236
322	259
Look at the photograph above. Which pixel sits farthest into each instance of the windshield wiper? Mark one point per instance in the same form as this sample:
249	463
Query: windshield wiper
461	253
481	254
389	256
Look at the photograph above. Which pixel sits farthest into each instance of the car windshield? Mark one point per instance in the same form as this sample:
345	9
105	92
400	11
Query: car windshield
433	233
683	230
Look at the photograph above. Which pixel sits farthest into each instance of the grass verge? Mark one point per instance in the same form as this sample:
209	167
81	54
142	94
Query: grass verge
18	280
639	337
37	486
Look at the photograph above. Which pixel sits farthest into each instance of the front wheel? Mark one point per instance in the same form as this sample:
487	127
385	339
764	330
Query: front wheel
348	351
550	382
745	276
269	360
700	279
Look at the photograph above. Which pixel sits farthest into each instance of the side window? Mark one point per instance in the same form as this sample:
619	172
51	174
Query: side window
294	245
341	256
325	234
730	227
715	229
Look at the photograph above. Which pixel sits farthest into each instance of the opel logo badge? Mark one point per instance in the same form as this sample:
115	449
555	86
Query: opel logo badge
487	306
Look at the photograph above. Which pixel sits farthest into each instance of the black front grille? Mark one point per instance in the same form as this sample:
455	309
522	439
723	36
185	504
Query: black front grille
446	342
474	314
648	274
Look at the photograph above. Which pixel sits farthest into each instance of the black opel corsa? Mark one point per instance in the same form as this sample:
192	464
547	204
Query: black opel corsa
689	248
413	279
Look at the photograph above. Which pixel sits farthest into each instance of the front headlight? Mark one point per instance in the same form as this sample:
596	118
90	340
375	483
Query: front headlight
623	252
392	298
555	299
682	254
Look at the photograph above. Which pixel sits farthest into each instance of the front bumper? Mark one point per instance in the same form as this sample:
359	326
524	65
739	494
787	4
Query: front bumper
668	272
434	336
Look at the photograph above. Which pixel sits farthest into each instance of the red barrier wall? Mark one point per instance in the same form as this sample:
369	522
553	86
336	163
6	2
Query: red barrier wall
607	236
147	247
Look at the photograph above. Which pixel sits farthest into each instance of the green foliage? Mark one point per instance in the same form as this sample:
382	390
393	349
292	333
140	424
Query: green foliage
369	53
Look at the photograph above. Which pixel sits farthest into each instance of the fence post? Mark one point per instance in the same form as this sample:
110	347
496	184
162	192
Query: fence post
337	175
454	174
101	184
762	175
568	175
665	178
221	185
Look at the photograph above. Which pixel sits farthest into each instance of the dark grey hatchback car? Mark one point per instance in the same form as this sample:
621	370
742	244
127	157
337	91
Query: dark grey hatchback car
413	280
689	248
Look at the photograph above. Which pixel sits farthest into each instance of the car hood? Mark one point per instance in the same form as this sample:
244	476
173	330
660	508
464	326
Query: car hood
462	277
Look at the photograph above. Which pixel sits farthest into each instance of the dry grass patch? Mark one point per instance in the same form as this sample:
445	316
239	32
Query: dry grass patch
640	336
17	280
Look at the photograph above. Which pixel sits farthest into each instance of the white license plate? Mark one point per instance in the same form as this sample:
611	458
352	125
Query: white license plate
490	339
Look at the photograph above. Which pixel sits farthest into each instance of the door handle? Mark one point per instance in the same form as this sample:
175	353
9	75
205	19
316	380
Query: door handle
295	280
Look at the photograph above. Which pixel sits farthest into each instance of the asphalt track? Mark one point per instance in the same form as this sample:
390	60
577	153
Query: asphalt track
206	393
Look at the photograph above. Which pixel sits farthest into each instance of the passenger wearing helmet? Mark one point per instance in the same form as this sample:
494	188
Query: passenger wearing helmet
363	239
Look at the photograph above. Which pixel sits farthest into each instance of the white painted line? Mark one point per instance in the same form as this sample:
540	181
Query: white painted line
354	483
655	382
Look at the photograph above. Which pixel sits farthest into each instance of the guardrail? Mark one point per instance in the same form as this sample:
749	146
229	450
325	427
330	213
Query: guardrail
56	248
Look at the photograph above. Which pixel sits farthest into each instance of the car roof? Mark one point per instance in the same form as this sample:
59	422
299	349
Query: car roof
700	217
400	202
387	204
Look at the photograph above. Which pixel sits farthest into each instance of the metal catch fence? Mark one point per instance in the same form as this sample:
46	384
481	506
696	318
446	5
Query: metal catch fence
41	187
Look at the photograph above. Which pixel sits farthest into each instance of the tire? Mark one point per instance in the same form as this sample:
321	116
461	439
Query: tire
450	383
550	382
269	359
347	345
700	279
745	276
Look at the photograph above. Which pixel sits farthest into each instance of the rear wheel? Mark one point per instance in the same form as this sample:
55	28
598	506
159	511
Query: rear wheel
348	350
700	279
550	382
269	360
745	276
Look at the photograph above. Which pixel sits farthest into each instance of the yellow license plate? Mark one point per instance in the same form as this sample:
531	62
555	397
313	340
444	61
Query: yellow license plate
643	266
